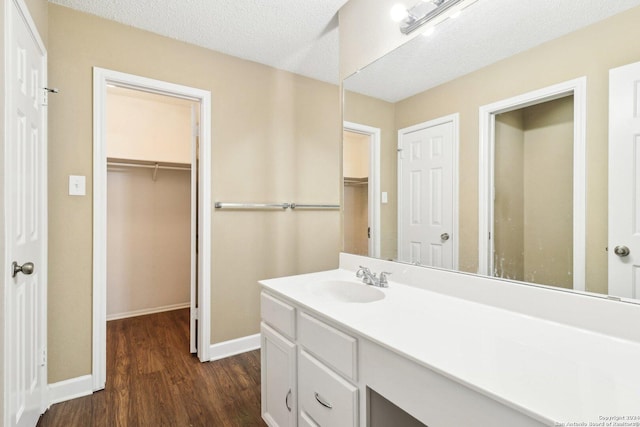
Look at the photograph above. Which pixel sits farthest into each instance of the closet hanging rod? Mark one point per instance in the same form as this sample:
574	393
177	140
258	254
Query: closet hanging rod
220	205
154	165
311	206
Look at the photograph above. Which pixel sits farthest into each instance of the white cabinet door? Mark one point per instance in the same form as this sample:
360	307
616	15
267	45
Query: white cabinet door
279	394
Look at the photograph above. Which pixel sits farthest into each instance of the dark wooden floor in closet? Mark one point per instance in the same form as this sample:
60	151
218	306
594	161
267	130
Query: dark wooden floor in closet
152	380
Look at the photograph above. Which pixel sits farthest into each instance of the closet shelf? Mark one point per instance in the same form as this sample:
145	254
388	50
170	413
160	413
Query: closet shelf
356	181
112	161
150	164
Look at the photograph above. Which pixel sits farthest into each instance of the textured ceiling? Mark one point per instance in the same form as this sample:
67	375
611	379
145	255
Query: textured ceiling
490	30
300	36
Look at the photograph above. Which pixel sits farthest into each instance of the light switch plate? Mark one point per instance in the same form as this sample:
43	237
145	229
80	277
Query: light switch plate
77	185
385	199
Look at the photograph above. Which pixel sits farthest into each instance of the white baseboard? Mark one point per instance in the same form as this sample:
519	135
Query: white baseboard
70	389
233	347
147	311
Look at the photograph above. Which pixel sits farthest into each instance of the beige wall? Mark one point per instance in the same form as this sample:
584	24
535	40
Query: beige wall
276	137
533	216
355	155
508	215
135	132
548	193
380	114
39	11
149	239
355	164
356	219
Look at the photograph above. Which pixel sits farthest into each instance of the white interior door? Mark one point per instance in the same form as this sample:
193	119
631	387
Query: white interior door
624	181
427	193
25	167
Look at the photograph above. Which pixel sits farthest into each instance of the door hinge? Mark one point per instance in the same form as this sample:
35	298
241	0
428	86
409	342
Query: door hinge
43	357
195	313
45	94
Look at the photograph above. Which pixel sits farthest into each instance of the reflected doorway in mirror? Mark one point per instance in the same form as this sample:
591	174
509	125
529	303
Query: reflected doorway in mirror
361	189
541	218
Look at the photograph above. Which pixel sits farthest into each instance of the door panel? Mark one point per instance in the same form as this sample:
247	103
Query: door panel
624	181
25	197
426	189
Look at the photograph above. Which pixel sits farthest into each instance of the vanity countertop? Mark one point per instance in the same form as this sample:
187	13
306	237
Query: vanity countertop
555	373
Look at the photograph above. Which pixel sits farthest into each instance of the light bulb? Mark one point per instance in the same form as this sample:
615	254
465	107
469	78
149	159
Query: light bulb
399	12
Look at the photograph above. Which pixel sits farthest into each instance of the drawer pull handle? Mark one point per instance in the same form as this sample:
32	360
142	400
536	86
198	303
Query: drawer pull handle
322	401
286	400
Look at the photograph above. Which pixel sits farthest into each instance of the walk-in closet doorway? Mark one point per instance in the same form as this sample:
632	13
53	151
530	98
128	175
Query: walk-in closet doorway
151	203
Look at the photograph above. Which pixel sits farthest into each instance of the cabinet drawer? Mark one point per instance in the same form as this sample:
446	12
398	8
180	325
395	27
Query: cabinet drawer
278	315
334	347
325	396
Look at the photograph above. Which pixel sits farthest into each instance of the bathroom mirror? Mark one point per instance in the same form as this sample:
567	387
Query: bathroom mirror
500	68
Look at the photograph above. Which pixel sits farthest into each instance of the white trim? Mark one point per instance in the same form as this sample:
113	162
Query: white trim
577	88
70	389
23	10
146	311
455	121
374	182
102	77
233	347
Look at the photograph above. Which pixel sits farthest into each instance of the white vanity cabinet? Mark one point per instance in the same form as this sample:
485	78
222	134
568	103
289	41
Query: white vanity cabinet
327	365
278	360
308	369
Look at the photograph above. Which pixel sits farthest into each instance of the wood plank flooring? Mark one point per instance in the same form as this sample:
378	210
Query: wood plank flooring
152	380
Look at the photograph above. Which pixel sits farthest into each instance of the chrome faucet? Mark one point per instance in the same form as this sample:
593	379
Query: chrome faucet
371	279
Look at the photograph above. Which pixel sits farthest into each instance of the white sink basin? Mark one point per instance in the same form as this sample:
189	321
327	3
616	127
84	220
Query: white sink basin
345	291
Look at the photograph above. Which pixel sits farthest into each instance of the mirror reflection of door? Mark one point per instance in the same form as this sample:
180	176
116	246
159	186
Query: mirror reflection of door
624	181
356	173
427	193
533	194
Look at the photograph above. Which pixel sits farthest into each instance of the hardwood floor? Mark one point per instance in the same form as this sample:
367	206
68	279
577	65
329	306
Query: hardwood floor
152	380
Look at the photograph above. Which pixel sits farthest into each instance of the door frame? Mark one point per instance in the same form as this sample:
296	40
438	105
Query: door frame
101	78
486	152
454	119
374	181
23	10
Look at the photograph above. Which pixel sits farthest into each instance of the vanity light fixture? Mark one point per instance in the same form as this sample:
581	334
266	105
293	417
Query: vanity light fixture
426	10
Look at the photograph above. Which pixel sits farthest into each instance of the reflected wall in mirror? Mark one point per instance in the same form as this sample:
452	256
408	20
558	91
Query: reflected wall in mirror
382	96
